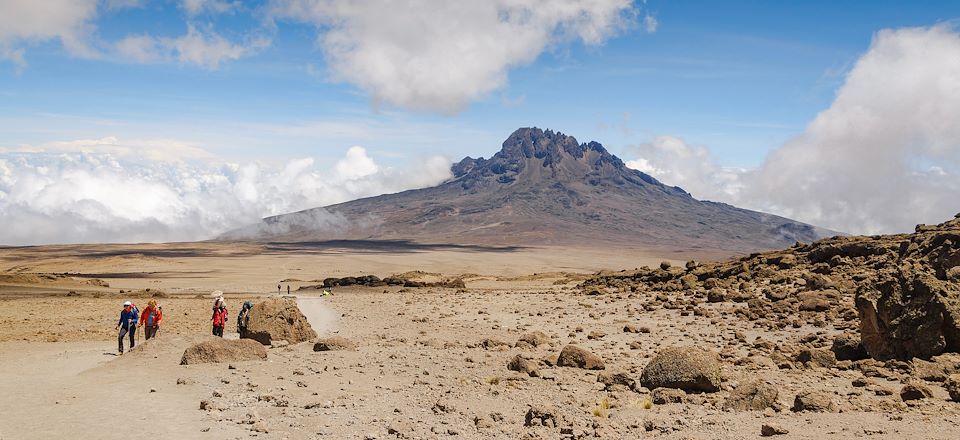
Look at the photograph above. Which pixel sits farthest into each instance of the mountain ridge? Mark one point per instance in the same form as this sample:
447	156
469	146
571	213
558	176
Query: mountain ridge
543	188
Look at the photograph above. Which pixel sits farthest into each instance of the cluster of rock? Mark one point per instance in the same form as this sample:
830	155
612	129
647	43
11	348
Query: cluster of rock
374	281
900	292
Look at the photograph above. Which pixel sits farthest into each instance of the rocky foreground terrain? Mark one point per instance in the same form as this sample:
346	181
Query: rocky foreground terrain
848	337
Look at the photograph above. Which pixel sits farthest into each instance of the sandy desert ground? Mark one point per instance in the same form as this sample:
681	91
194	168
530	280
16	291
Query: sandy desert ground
428	362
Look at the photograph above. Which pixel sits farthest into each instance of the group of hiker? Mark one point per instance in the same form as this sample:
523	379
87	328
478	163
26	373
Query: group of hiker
150	319
131	318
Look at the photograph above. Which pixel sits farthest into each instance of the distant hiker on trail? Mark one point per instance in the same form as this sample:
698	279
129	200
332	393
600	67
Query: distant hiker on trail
278	289
219	317
288	289
150	319
243	318
127	324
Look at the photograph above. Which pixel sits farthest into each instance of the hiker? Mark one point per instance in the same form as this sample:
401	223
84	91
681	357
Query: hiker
288	290
219	316
150	319
278	289
243	318
127	324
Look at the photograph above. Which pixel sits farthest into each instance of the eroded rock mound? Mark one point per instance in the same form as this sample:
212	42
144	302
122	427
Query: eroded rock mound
909	313
278	320
685	368
223	350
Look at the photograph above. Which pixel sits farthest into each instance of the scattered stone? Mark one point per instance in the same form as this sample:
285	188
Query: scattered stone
662	396
952	385
817	358
915	390
610	379
541	415
814	401
573	356
771	429
535	339
753	395
523	365
686	368
334	343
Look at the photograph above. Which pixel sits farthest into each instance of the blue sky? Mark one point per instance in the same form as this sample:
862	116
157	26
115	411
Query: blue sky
735	81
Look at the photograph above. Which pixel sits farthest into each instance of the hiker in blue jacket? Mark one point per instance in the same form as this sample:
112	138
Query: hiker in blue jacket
127	324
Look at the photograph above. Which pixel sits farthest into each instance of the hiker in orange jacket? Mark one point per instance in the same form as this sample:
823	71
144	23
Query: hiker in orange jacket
219	317
150	318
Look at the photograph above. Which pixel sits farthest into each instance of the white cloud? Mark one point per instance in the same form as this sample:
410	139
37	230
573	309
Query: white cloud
142	49
884	156
650	23
195	7
29	21
208	49
112	193
204	48
439	55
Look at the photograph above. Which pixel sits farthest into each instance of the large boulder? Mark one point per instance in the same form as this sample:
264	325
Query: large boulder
685	368
573	356
223	350
278	320
908	314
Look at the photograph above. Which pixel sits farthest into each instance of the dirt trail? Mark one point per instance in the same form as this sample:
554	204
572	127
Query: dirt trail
82	390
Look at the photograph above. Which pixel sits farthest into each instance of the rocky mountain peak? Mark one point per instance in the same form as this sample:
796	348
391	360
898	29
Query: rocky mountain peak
533	155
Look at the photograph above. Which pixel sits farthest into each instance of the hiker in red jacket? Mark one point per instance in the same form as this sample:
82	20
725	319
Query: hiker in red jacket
219	317
150	319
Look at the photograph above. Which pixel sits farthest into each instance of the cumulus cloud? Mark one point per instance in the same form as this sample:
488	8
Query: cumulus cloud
439	55
204	48
105	192
884	156
208	49
24	22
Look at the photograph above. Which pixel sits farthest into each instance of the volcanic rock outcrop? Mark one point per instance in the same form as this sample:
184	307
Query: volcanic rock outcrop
899	293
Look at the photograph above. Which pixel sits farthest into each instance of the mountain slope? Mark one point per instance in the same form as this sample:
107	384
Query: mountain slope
544	187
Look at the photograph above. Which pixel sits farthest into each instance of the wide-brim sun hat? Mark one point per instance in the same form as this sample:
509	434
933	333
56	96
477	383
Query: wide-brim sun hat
127	303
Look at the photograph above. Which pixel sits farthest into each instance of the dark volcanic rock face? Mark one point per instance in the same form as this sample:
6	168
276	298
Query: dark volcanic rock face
544	187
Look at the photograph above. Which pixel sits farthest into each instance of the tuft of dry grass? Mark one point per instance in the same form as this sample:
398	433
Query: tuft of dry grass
493	380
602	408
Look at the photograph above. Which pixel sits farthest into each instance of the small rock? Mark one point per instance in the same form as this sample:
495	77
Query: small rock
770	429
814	401
915	390
523	365
952	385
